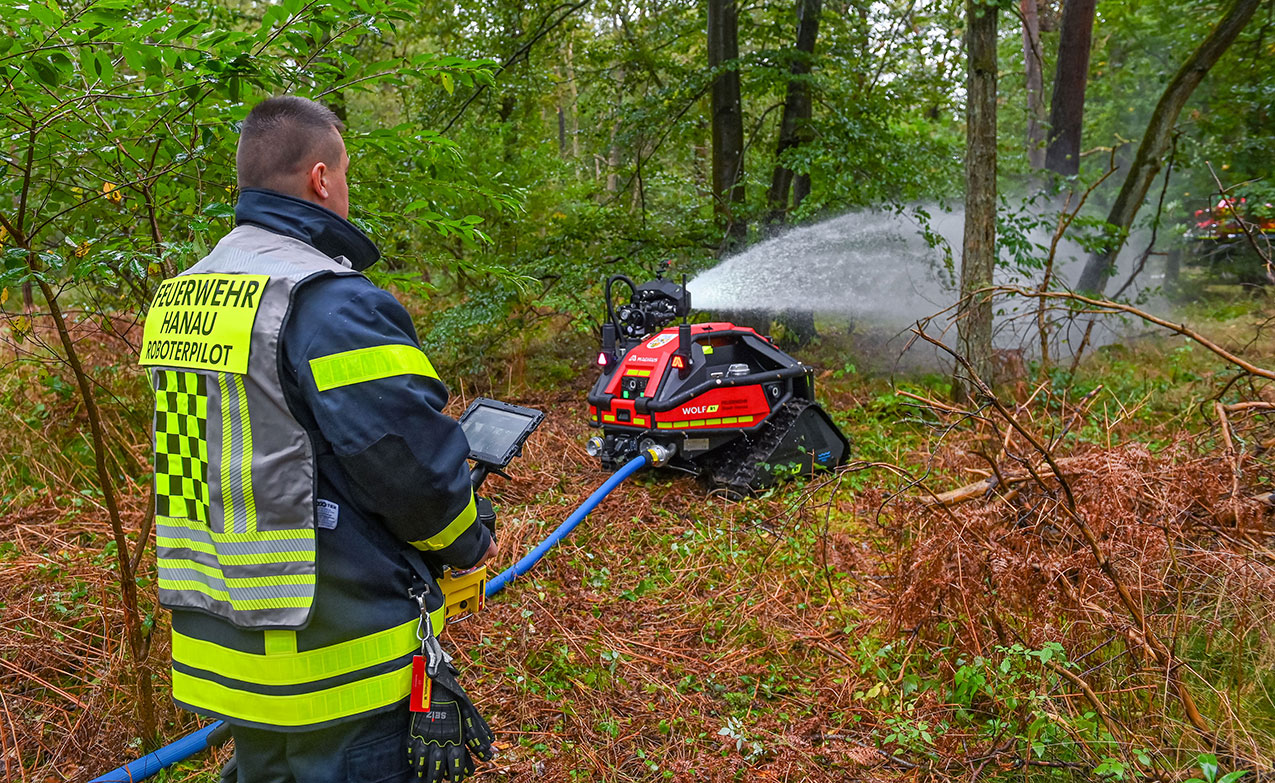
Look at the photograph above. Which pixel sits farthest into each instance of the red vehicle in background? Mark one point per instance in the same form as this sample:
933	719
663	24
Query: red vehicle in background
1217	239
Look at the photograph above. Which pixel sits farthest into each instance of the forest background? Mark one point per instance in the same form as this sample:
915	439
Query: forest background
507	158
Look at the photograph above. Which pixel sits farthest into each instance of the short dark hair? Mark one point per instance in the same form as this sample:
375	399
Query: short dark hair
282	137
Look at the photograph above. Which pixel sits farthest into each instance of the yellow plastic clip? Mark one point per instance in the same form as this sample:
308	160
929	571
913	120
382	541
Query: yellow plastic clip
463	593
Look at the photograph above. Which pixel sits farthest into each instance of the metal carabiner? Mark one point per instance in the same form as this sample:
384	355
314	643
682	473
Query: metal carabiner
424	623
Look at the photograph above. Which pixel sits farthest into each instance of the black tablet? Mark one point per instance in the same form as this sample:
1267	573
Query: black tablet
496	430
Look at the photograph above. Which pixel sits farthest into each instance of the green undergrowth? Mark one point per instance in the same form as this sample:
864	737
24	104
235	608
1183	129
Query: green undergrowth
695	634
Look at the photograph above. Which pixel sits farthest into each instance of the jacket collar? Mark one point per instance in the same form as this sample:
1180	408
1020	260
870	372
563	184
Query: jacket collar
317	226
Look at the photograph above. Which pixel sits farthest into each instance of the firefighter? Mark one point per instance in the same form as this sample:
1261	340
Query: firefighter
308	488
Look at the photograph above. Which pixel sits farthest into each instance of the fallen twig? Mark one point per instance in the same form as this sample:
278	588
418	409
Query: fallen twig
983	486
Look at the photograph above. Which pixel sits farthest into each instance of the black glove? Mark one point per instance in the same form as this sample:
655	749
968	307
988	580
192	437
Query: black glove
443	738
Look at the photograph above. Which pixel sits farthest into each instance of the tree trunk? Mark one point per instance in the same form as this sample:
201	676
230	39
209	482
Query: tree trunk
562	132
613	160
137	639
800	188
1067	109
613	151
573	96
1035	85
1157	138
978	252
728	120
1172	271
794	128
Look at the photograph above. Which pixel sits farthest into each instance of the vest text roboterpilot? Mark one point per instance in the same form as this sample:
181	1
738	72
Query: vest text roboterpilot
203	321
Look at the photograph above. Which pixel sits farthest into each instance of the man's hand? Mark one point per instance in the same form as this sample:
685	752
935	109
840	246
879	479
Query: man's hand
492	549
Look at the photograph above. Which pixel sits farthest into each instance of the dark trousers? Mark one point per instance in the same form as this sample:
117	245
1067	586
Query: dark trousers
366	750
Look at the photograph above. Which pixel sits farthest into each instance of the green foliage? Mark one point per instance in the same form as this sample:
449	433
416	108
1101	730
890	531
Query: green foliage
751	749
1011	698
1209	771
121	119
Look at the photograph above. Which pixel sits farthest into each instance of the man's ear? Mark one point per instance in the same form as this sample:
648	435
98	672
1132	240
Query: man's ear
318	180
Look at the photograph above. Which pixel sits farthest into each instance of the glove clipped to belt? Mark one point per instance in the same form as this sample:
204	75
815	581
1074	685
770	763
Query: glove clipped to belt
443	738
449	729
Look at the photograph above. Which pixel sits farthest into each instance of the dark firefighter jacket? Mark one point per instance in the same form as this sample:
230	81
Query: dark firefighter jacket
391	483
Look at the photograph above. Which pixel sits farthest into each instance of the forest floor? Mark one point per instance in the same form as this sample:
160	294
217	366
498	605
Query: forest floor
1097	596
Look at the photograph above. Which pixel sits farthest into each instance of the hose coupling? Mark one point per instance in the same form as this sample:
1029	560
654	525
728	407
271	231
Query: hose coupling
657	453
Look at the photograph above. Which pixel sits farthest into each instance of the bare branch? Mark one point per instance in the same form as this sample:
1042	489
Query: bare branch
1107	306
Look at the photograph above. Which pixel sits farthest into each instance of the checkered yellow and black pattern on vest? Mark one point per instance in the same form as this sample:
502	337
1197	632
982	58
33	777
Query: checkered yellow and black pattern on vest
181	445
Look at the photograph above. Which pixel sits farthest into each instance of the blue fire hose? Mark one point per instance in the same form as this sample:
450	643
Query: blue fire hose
151	763
198	741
